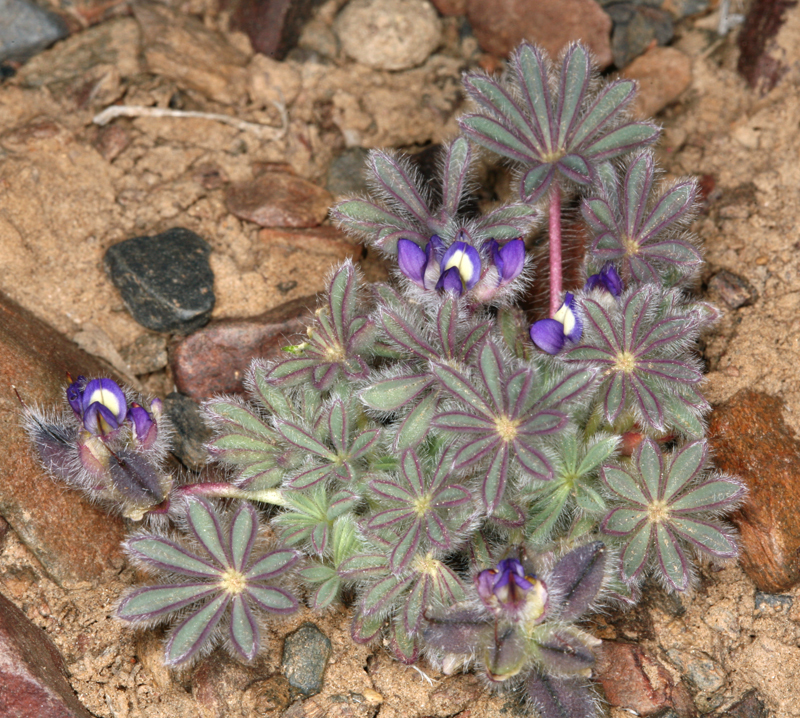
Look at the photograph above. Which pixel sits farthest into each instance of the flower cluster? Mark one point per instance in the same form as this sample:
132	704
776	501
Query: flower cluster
431	452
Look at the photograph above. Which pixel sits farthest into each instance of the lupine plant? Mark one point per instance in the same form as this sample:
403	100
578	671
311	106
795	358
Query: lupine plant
478	480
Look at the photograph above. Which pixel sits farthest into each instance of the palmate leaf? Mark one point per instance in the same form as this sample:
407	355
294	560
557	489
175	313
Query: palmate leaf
568	132
556	697
640	230
666	506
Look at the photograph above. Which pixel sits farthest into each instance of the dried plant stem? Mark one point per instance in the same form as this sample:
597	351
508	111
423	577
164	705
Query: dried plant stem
555	248
266	131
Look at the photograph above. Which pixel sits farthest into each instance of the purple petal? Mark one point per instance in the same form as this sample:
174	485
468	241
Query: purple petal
466	259
411	260
98	420
607	280
107	393
511	260
143	425
568	316
548	335
75	395
450	281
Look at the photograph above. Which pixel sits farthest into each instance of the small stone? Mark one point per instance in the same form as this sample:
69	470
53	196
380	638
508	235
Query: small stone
32	671
270	82
749	439
214	360
218	685
166	280
191	432
328	241
346	176
305	655
52	522
389	34
179	47
663	74
372	696
318	38
273	26
750	706
759	57
26	29
500	25
773	603
111	141
635	681
705	674
732	289
635	28
146	354
279	199
267	697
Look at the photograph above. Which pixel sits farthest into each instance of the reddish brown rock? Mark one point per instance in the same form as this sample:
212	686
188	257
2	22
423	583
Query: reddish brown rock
32	682
111	140
750	440
663	73
214	360
634	681
759	61
329	241
500	25
73	540
279	199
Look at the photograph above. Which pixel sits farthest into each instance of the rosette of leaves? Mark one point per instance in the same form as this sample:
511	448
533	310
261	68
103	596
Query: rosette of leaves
216	577
400	207
519	628
340	340
639	229
574	490
502	413
554	121
667	508
641	345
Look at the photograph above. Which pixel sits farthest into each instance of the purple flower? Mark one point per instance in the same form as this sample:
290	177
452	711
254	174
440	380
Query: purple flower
144	427
506	589
456	269
508	259
551	334
100	404
606	281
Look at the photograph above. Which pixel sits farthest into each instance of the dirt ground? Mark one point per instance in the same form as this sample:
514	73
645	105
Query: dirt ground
723	640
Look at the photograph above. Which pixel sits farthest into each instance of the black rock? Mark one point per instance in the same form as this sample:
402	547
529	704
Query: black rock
191	432
166	281
635	27
26	29
305	655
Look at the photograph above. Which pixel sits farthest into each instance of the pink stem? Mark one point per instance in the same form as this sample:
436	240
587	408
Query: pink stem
555	249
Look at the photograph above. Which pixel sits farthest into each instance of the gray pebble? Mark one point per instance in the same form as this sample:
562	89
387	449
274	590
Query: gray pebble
305	656
26	29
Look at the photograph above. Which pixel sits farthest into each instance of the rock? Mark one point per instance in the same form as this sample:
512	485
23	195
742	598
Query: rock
270	82
111	140
305	654
146	354
218	684
500	25
735	291
389	34
215	359
53	523
773	603
750	706
663	74
32	671
704	674
759	57
26	29
635	28
279	199
178	46
267	697
749	439
273	26
319	240
317	38
191	432
635	681
346	173
166	281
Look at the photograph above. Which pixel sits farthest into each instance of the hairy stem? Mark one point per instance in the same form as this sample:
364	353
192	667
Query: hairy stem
228	491
555	248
